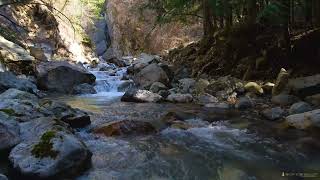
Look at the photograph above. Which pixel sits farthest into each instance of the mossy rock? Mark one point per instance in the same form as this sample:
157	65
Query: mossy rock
45	147
9	112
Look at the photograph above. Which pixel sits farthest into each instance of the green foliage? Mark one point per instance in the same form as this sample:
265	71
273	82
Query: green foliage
45	147
274	13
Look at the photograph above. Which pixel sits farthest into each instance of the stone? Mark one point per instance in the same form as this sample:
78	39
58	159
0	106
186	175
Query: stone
225	86
9	80
61	76
137	95
315	99
9	132
304	120
267	87
254	88
273	113
84	89
244	103
151	74
101	48
284	99
118	62
125	85
15	58
125	127
180	98
55	154
206	99
221	105
157	86
3	177
164	93
300	107
305	86
186	85
200	86
143	61
281	82
38	53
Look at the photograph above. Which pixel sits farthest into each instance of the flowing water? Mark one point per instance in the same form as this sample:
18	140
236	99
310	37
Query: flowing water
225	149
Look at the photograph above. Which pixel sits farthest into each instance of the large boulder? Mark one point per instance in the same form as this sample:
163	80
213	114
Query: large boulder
9	132
137	95
55	154
284	99
3	177
151	74
305	86
15	58
225	86
186	85
157	86
125	127
180	98
84	89
281	83
9	80
61	76
300	107
305	120
273	113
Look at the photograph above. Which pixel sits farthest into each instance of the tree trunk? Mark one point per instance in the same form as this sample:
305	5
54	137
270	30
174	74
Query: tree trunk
252	11
207	19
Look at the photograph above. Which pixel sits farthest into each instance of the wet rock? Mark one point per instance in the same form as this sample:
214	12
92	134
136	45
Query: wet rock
157	86
315	99
151	74
125	86
304	120
254	88
74	117
61	76
55	154
180	98
300	107
9	80
9	132
305	86
3	177
84	89
273	113
137	95
244	103
284	99
125	127
186	85
281	83
206	99
221	105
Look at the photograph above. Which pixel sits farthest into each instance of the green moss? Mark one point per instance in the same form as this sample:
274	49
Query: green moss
9	112
45	147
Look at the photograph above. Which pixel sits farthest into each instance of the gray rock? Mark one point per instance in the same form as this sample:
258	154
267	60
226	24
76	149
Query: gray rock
305	86
186	85
223	87
180	98
66	155
118	62
244	103
304	120
9	80
273	113
221	105
157	86
84	89
281	83
164	93
3	177
61	76
143	61
206	99
314	99
125	85
151	74
300	107
137	95
284	99
101	48
200	86
9	132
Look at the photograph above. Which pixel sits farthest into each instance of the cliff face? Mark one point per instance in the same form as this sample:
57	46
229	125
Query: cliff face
133	31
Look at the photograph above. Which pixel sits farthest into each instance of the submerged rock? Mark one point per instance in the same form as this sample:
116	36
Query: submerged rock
55	154
9	132
61	76
300	107
304	120
125	127
273	113
222	105
180	98
137	95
